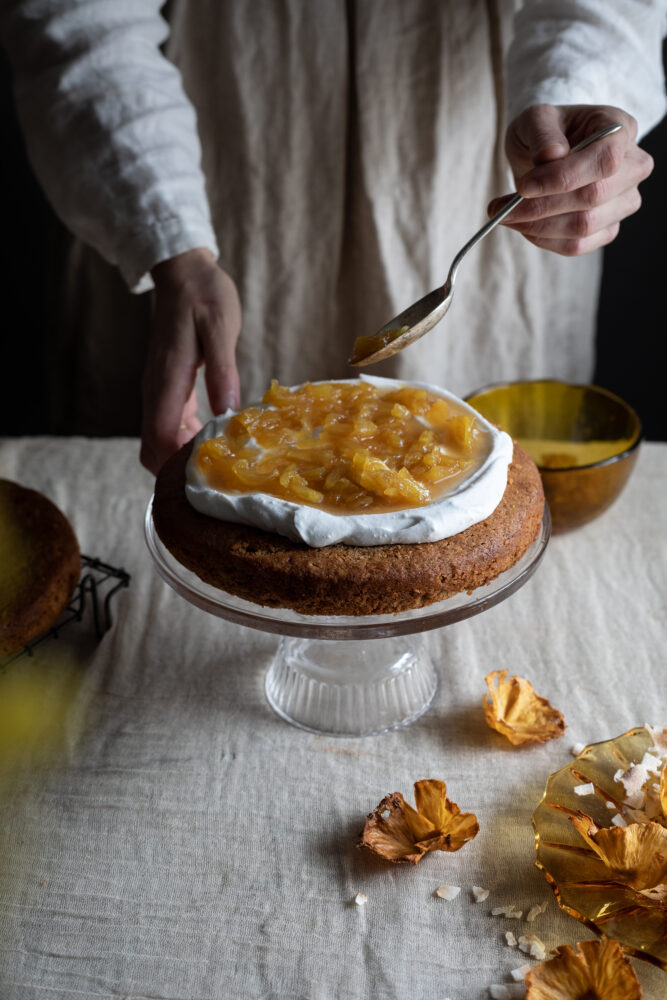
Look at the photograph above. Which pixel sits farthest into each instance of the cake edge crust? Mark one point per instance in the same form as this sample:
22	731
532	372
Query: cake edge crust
270	570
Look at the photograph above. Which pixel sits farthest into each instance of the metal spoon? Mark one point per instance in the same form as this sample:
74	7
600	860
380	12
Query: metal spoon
422	316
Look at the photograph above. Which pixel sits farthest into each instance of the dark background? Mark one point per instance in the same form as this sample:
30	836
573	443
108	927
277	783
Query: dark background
631	317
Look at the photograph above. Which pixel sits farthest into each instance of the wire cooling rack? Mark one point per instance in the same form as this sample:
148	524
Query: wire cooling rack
98	584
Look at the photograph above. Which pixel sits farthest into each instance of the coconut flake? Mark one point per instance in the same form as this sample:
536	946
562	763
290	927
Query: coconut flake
533	946
479	893
659	736
618	820
587	789
536	910
506	911
610	805
651	763
448	892
577	748
633	781
361	899
511	940
513	991
518	974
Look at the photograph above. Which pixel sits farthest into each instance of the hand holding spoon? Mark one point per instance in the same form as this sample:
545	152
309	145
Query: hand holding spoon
423	315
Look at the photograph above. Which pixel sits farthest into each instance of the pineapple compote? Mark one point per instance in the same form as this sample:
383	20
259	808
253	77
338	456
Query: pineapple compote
347	447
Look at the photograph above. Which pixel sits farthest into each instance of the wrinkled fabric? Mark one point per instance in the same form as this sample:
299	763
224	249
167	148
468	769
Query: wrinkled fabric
565	51
349	150
182	842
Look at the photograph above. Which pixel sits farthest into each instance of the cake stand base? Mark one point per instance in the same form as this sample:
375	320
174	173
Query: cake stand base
357	688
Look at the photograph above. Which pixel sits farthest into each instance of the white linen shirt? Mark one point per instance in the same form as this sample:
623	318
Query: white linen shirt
113	138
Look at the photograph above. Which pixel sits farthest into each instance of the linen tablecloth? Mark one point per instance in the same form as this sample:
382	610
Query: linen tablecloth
176	840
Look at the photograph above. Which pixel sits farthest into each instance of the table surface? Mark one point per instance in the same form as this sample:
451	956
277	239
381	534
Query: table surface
174	839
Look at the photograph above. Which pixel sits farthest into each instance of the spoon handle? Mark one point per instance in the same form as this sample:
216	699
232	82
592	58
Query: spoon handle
514	201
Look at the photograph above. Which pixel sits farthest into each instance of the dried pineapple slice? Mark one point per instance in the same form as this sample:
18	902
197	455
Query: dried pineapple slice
635	855
515	711
597	970
397	832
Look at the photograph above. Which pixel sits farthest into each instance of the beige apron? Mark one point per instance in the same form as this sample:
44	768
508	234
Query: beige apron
350	150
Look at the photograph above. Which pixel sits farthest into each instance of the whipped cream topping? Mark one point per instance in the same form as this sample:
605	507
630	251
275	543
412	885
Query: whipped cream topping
472	500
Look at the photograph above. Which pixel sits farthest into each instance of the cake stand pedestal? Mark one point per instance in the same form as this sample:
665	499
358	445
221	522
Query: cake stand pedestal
326	676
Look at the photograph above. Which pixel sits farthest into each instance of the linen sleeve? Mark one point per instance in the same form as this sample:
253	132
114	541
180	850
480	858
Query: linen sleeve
589	52
109	130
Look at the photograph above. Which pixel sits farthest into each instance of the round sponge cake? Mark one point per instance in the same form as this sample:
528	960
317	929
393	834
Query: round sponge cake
271	570
40	565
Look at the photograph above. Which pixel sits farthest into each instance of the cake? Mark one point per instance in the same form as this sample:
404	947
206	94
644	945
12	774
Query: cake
40	565
380	576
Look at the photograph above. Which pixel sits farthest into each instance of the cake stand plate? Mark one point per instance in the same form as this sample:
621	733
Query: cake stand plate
324	676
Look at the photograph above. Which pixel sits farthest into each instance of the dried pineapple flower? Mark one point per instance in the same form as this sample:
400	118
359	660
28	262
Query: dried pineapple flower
636	855
399	833
513	709
597	970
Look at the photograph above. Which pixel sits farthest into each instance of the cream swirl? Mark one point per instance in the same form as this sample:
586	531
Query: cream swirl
472	500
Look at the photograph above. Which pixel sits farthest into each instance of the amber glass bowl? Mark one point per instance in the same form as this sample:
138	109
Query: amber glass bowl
584	440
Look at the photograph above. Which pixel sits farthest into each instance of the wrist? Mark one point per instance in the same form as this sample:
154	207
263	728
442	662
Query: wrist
176	270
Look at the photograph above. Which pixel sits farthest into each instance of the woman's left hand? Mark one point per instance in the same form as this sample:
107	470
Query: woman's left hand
573	203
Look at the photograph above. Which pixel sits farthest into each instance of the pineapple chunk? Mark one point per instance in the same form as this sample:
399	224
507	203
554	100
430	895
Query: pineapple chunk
344	446
460	431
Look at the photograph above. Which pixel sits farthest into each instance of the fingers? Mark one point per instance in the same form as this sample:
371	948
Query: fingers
636	167
197	321
578	219
542	137
169	404
599	161
218	326
573	203
574	247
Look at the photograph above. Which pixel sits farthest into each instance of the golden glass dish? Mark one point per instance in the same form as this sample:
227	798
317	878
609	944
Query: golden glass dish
584	440
612	910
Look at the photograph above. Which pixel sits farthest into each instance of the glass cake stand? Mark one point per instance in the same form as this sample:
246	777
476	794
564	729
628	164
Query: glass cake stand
325	676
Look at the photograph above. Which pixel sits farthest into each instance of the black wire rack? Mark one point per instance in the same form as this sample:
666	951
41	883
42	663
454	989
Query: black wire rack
94	592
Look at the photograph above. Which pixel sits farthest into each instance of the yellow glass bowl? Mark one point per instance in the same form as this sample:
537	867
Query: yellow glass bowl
584	440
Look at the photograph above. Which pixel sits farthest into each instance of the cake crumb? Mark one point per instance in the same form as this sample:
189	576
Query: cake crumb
448	892
361	899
